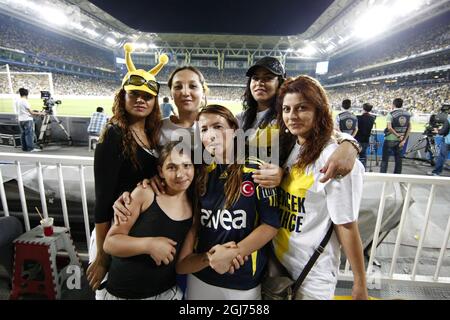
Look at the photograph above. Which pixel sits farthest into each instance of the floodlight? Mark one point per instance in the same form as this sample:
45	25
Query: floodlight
405	7
330	47
91	32
373	22
76	25
53	15
111	41
28	4
140	45
308	50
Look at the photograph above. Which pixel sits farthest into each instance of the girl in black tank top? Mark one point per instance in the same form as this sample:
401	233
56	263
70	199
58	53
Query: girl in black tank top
144	249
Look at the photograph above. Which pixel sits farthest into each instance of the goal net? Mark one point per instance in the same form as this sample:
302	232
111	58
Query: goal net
11	81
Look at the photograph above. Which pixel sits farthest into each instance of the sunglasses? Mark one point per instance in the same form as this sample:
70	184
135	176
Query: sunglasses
138	81
144	95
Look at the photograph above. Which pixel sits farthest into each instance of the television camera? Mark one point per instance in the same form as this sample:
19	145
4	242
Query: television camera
45	131
437	120
49	102
427	141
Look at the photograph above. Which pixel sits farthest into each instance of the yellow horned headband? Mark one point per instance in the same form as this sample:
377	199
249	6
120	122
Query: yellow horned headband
138	79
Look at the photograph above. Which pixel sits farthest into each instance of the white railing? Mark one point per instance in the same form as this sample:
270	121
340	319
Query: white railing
409	181
19	160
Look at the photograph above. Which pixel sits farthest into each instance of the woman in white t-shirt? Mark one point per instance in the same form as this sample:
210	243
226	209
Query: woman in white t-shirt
308	207
188	90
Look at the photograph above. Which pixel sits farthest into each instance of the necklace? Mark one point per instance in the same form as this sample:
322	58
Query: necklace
145	147
142	144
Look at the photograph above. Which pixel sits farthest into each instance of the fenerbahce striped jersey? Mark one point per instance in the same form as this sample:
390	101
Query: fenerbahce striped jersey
307	208
262	137
256	205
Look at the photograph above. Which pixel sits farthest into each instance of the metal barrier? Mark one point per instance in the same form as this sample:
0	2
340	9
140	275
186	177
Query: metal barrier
409	180
19	159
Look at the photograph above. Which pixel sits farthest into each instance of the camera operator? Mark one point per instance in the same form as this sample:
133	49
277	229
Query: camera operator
365	125
395	135
445	145
26	122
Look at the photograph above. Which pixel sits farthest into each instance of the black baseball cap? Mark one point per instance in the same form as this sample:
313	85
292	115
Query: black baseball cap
270	63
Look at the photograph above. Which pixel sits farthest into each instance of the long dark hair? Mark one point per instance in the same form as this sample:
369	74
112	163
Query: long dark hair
121	119
234	170
250	107
312	91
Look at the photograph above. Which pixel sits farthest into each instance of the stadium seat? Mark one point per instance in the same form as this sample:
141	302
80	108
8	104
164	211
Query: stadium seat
40	252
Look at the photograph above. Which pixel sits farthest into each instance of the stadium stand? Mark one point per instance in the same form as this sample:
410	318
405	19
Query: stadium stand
426	98
76	67
18	35
421	39
374	71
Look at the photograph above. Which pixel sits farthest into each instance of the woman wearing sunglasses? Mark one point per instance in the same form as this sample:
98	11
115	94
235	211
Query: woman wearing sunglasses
125	154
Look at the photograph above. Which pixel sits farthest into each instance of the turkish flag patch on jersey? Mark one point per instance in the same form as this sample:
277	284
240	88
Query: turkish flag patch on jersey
247	188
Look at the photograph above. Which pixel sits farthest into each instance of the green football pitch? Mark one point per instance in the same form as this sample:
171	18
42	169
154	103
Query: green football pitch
85	107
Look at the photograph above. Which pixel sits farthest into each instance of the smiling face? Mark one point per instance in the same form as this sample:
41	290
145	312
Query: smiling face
298	115
139	104
187	91
216	134
263	85
177	171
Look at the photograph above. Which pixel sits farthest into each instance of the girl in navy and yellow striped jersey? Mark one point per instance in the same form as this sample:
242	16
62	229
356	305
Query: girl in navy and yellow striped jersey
237	218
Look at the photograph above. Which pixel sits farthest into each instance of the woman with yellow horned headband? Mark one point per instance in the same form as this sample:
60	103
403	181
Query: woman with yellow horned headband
125	154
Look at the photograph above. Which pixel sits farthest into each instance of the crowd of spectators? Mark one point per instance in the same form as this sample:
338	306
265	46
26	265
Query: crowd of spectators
45	46
408	66
421	38
424	99
18	35
214	92
212	75
63	84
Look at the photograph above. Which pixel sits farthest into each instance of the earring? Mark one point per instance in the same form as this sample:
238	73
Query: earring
286	130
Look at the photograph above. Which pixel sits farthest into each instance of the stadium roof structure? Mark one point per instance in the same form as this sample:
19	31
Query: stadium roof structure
342	27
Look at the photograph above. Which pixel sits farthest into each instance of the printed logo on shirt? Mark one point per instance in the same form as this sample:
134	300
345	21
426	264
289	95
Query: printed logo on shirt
402	121
236	219
247	188
224	175
349	123
292	211
292	207
267	193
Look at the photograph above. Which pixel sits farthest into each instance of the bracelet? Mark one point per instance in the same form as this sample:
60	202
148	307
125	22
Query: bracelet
355	145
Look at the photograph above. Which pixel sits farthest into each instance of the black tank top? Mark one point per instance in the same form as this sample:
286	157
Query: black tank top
139	277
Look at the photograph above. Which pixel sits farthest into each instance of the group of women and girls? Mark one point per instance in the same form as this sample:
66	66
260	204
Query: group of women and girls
216	221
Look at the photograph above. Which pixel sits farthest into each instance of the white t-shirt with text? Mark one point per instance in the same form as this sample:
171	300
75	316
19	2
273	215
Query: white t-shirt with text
307	209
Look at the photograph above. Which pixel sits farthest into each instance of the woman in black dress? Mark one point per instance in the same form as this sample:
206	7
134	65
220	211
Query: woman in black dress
125	154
